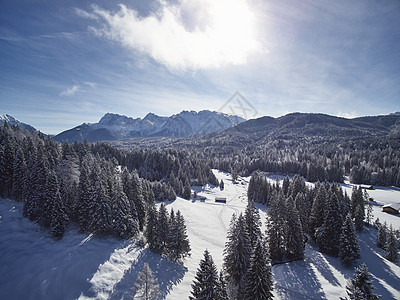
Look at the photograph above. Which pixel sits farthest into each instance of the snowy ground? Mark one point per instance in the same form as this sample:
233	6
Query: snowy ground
34	266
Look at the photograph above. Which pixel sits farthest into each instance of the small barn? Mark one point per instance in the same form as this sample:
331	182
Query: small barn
220	199
391	208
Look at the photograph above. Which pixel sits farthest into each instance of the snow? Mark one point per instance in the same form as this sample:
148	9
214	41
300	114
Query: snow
35	266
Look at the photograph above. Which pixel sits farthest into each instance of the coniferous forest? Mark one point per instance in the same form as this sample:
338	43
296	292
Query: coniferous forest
98	188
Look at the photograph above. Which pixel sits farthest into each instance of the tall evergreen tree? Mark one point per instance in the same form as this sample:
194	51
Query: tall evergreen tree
318	210
391	246
327	236
237	254
146	286
358	208
221	290
349	250
59	220
253	223
206	282
187	192
360	286
276	226
259	281
162	228
151	229
19	170
381	235
294	235
83	198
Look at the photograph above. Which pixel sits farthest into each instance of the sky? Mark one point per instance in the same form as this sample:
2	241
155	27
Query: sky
63	62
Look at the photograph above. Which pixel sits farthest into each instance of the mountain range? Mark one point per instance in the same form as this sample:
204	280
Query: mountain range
117	127
13	121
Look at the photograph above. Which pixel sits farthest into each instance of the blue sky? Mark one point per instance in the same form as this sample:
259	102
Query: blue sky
63	63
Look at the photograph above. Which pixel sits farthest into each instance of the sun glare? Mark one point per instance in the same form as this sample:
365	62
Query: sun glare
233	27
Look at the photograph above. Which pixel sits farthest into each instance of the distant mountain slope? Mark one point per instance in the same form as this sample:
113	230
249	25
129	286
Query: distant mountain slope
13	121
115	127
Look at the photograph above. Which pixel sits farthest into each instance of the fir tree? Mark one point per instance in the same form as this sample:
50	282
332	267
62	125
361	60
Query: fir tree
360	286
221	184
237	254
206	282
146	286
187	192
259	281
221	291
83	198
318	210
162	228
151	229
391	246
349	250
304	208
277	227
294	235
358	208
19	170
59	216
253	223
381	235
327	236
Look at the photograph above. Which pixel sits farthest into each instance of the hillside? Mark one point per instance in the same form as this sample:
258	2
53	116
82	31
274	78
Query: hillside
87	267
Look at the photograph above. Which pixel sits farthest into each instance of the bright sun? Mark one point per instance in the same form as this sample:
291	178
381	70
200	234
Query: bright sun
232	24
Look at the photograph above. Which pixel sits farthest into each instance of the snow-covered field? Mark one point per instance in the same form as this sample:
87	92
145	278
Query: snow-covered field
34	266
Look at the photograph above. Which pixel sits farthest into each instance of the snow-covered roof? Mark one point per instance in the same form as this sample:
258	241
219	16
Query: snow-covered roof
395	206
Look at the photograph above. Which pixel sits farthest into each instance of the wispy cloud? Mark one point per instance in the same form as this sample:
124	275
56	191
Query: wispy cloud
71	91
90	84
222	32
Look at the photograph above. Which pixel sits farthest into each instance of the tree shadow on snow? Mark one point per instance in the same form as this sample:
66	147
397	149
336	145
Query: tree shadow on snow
377	265
166	272
297	280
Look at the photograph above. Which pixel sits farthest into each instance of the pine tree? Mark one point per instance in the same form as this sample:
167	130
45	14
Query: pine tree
162	228
360	286
370	214
146	286
206	282
358	208
151	229
221	291
327	236
253	223
381	235
59	216
294	235
391	246
318	210
304	208
277	227
259	281
182	240
83	198
237	254
187	192
349	250
19	170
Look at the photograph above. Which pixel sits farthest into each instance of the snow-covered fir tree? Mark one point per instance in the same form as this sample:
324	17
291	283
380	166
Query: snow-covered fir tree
259	281
237	254
146	287
358	208
327	236
294	235
206	282
360	286
151	228
221	290
276	226
253	223
381	235
349	250
19	170
391	246
59	217
318	210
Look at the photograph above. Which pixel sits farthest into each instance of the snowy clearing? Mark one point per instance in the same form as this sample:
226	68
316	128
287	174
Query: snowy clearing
35	266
